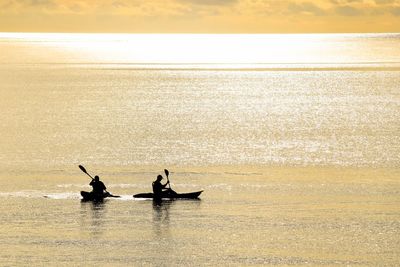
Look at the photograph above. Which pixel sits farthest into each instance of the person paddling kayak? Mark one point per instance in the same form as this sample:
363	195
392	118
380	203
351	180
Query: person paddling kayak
98	187
99	191
159	191
158	187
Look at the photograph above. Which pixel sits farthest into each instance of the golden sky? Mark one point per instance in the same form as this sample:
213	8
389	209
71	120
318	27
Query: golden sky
200	16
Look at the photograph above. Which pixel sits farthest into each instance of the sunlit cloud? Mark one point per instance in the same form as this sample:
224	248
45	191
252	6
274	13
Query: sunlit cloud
156	7
348	11
210	2
384	2
396	11
306	8
200	15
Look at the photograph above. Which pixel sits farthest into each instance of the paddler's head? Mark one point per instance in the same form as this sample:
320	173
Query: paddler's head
96	178
159	177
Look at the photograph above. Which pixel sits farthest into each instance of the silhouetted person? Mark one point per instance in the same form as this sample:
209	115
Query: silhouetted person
158	188
98	186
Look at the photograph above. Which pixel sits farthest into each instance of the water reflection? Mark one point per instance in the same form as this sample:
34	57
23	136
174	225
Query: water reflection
162	213
93	217
161	218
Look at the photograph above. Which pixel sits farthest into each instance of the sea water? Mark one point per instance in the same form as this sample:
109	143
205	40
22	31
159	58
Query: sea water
293	138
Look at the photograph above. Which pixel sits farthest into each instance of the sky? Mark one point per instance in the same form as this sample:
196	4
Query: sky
200	16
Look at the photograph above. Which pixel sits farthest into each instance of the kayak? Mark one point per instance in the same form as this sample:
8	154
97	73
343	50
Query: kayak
89	196
171	195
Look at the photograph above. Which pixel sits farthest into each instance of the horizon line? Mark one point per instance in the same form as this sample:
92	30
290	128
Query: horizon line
199	33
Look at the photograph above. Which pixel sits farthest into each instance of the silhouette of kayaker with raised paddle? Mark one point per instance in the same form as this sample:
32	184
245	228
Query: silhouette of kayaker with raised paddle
98	186
159	190
99	191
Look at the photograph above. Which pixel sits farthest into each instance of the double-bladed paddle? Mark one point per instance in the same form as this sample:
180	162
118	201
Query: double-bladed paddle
84	170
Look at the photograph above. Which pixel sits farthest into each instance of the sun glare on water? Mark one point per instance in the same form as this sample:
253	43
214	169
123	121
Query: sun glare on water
222	49
181	48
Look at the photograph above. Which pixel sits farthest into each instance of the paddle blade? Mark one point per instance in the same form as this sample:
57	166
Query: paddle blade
108	194
82	168
166	172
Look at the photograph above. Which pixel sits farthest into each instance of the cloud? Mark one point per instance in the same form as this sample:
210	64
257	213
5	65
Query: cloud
306	8
210	2
344	2
36	3
41	2
384	2
26	6
6	5
119	4
348	11
204	7
395	11
201	15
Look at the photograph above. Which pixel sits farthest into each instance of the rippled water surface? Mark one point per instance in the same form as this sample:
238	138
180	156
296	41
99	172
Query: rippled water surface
277	216
53	117
295	146
75	98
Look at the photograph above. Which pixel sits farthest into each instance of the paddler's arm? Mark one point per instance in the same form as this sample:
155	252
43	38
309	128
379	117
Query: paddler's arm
165	185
